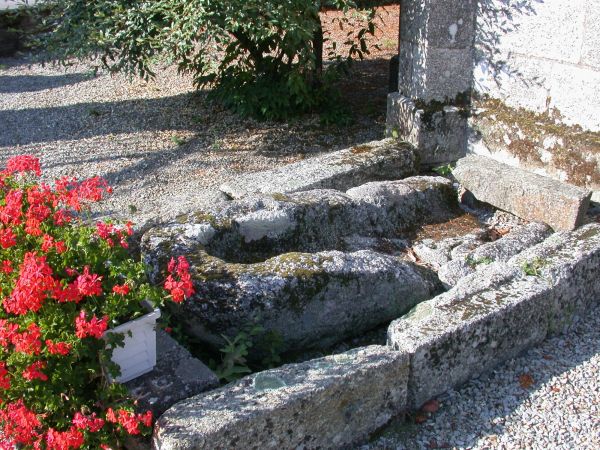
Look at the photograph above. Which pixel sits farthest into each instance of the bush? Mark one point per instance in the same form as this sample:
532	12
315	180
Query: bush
264	57
63	284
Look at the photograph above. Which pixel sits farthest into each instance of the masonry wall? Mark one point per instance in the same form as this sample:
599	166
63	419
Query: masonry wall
538	66
552	54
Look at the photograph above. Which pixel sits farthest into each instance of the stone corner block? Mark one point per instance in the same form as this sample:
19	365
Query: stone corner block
440	137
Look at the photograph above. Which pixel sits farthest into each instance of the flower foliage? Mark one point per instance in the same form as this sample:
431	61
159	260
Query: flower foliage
62	285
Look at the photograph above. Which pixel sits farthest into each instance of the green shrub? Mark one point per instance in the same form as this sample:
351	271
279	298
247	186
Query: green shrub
263	57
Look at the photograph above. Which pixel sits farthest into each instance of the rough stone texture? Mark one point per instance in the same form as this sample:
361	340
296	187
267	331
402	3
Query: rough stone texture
497	312
549	52
330	402
403	204
502	249
527	195
255	228
439	139
437	253
489	316
308	300
569	262
377	160
177	376
436	48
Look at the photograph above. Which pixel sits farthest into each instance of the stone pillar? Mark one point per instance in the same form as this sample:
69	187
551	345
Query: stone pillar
435	77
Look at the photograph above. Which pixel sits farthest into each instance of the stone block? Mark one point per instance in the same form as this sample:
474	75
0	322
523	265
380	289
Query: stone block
527	195
552	30
486	318
518	240
495	313
306	300
574	93
438	23
258	227
439	137
378	160
332	402
590	51
177	375
569	262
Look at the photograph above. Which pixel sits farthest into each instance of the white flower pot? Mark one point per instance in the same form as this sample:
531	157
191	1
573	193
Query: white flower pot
138	356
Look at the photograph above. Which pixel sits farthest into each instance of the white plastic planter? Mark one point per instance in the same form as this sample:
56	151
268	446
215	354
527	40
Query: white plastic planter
138	356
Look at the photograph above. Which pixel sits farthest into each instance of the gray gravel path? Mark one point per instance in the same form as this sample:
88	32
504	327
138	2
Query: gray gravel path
499	410
165	149
161	145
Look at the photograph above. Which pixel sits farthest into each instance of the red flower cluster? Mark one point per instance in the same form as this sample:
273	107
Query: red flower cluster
179	281
129	420
22	164
32	372
94	328
113	234
32	287
52	270
20	424
64	440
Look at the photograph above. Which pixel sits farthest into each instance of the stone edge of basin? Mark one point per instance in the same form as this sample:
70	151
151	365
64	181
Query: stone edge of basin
373	161
339	400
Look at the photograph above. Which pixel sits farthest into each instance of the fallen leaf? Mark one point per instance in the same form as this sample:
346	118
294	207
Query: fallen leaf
548	357
555	389
420	418
431	406
526	381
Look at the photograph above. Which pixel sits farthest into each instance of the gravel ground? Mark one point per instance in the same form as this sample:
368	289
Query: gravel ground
165	149
162	146
548	398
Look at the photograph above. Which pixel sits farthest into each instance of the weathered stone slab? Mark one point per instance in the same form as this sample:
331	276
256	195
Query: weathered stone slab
330	402
495	313
488	317
403	204
309	300
518	240
258	227
525	194
569	262
378	160
177	375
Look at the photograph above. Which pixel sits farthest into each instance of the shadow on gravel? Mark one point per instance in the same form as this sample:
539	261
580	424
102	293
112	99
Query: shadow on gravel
495	395
87	120
16	84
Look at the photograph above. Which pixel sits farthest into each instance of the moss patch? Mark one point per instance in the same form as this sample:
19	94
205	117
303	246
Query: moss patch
574	150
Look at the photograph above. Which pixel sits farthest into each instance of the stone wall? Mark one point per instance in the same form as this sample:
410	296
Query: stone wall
537	84
551	55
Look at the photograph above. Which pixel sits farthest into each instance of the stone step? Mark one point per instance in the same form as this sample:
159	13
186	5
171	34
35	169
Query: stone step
527	195
176	376
378	160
